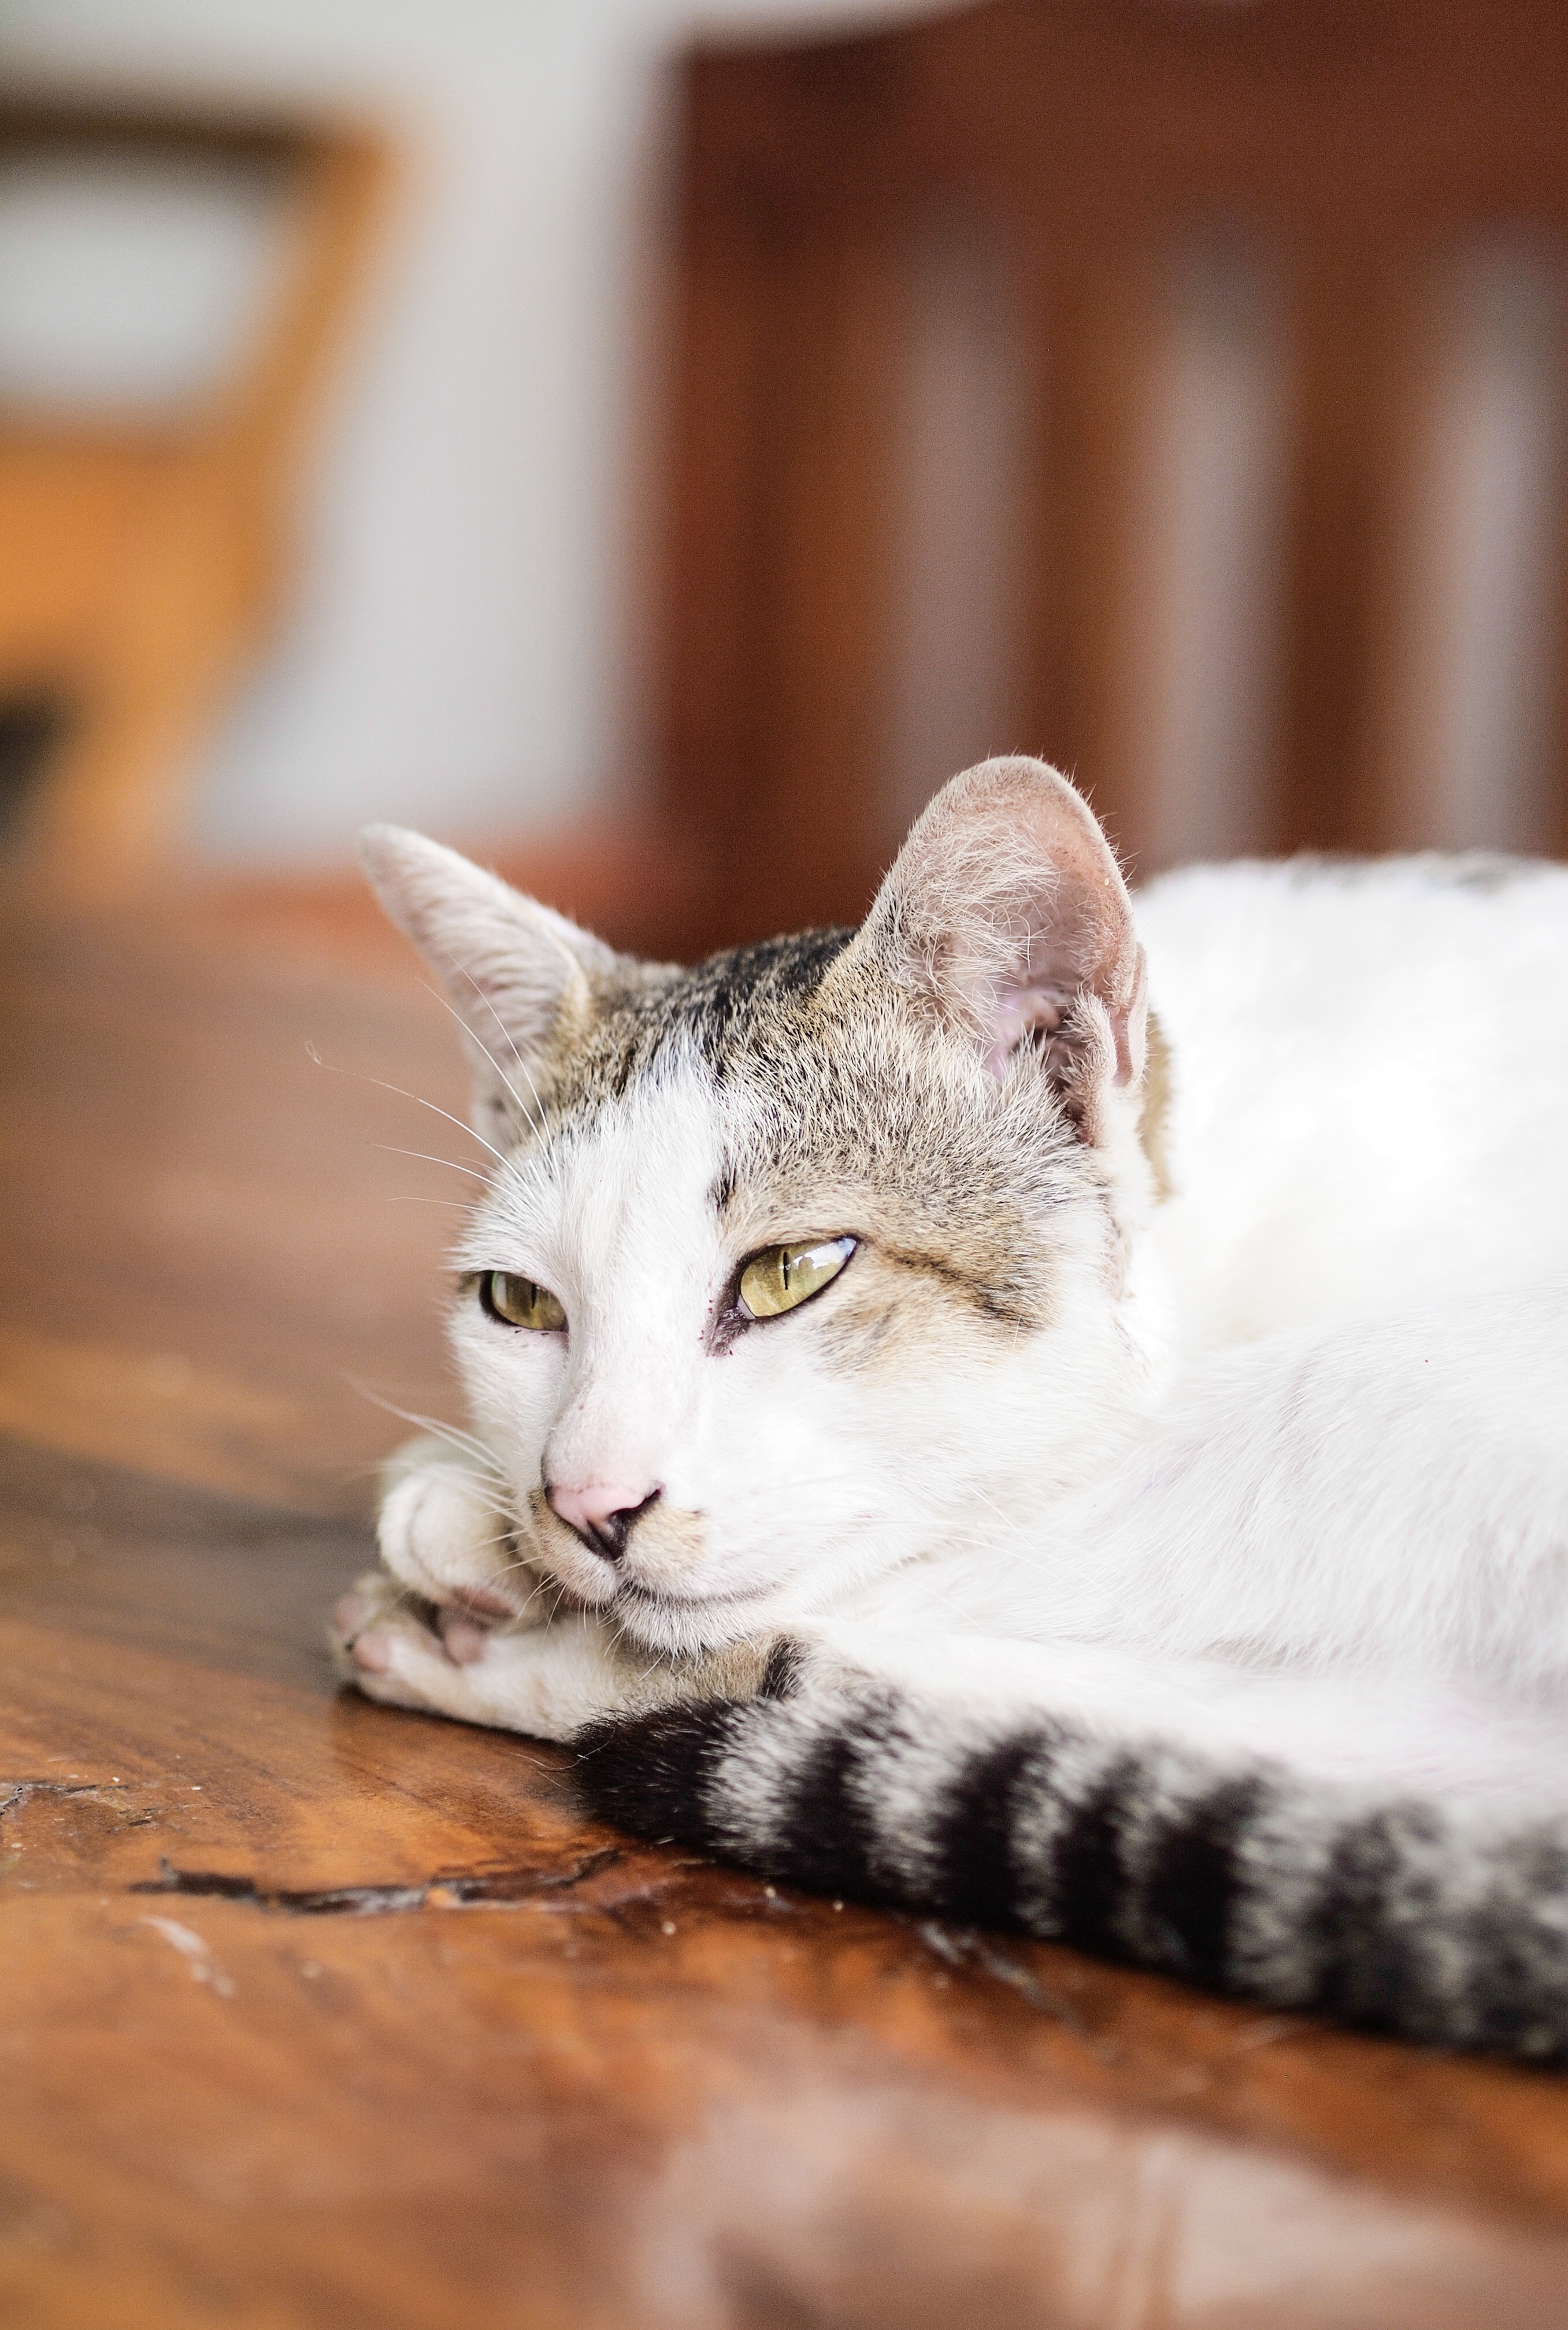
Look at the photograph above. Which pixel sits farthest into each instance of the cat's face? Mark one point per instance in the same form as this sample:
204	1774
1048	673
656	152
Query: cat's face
814	1257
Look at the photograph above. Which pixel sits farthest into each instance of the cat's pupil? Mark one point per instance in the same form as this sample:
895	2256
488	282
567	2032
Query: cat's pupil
782	1277
518	1301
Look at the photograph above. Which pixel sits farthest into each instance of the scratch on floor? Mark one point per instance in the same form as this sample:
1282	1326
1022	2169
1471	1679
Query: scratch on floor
965	1947
13	1793
459	1889
196	1951
118	1796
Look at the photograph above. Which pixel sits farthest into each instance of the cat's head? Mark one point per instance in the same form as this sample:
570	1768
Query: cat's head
816	1256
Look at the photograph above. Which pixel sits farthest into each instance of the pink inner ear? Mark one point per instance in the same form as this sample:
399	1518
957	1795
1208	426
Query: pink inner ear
1007	908
1018	1012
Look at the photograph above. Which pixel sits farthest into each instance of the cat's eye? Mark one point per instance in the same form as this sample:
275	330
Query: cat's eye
521	1302
781	1276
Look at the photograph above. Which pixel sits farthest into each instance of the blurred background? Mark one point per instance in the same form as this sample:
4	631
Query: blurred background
334	359
652	444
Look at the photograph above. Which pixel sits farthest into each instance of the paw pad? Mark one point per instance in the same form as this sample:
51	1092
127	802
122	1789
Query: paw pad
372	1653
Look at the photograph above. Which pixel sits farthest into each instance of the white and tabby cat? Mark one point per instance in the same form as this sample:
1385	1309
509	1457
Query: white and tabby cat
944	1434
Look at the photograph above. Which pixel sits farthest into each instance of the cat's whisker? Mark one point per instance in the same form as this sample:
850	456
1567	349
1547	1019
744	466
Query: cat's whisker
480	1458
518	1057
361	1076
475	1172
494	1063
454	1432
538	1591
475	1461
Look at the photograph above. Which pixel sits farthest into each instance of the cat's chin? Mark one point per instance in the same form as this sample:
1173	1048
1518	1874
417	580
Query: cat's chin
683	1625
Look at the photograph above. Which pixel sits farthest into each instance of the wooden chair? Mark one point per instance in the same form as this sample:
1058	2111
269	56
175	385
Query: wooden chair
144	549
1342	158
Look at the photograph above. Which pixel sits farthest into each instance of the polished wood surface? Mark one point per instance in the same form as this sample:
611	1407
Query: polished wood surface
318	2013
145	555
1351	147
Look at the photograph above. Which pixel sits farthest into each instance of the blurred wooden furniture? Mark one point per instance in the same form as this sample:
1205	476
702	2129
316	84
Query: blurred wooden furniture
141	554
1353	143
317	2015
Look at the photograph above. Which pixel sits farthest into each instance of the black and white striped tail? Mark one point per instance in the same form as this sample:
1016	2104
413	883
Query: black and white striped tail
1401	1917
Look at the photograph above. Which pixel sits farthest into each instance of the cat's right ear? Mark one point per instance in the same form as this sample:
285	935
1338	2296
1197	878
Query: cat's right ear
519	976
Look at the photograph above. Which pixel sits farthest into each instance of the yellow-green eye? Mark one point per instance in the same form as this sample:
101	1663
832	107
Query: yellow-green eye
780	1276
521	1302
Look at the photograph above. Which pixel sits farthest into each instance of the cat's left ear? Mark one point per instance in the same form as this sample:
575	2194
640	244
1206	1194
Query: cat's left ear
1007	914
520	977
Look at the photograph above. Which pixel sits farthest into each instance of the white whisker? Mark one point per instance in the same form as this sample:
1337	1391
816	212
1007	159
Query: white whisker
475	1171
447	1005
481	1458
517	1055
360	1076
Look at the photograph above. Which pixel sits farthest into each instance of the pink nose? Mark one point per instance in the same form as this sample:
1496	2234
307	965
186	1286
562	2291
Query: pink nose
602	1513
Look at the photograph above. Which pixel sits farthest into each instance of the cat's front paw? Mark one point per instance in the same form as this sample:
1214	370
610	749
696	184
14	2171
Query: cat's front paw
445	1540
401	1647
370	1624
547	1680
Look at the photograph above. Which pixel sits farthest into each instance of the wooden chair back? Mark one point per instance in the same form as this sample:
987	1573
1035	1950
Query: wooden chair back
933	287
143	550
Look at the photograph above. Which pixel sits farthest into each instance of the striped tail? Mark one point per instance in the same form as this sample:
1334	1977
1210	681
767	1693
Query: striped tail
1399	1916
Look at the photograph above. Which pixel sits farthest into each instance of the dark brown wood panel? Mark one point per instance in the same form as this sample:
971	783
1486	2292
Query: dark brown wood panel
1351	427
825	541
1096	320
714	486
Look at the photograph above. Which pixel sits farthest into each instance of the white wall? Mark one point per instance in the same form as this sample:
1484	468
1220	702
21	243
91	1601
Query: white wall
464	654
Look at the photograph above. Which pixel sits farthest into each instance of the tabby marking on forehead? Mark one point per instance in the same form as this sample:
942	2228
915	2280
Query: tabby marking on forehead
719	1012
842	1115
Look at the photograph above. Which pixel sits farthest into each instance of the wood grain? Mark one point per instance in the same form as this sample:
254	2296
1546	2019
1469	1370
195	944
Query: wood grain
316	2014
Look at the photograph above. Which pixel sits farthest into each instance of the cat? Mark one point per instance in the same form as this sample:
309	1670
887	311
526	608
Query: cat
1048	1409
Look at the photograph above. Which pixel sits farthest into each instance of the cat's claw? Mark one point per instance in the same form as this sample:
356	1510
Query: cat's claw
547	1680
365	1619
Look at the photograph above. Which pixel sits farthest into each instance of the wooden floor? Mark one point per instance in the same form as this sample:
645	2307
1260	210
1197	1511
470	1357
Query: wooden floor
318	2013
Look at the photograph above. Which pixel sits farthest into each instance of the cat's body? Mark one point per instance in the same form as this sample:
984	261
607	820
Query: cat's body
1369	1097
1170	1486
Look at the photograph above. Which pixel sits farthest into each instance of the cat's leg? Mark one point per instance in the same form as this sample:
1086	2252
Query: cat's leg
548	1680
445	1540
